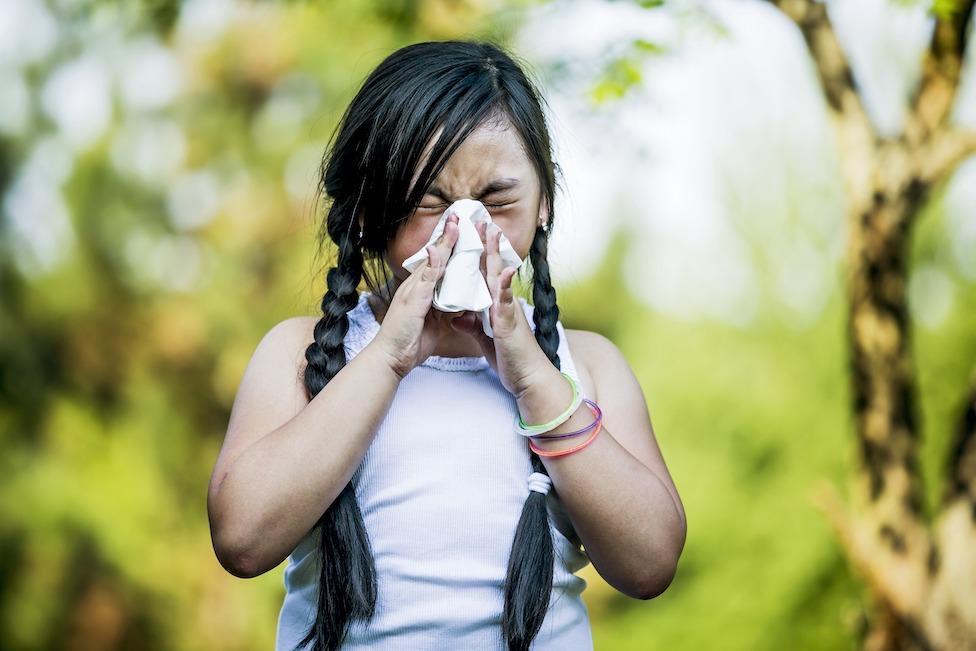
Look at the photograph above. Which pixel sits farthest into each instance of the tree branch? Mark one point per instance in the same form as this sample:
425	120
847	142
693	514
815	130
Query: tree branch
961	464
829	58
931	104
857	136
894	579
943	152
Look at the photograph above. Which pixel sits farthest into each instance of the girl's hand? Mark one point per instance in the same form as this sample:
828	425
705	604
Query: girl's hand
514	353
411	329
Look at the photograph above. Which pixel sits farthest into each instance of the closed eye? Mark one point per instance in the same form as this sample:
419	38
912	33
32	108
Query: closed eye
487	205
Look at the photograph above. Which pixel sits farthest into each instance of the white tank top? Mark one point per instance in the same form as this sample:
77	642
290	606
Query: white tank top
441	489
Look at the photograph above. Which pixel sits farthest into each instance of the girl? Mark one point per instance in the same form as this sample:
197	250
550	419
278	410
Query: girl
432	486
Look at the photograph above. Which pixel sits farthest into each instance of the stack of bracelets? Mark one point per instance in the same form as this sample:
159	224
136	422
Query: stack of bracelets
535	431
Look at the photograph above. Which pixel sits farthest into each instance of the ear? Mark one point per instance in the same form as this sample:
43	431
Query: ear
543	212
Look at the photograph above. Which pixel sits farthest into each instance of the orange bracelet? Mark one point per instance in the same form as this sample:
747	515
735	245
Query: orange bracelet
559	453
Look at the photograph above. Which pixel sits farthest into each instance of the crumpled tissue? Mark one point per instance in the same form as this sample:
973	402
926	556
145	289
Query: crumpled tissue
462	287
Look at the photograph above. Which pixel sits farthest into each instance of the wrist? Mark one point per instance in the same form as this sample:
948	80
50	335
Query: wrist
548	404
548	398
391	365
541	373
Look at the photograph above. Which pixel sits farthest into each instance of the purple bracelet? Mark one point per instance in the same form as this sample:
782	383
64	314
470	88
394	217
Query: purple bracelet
596	411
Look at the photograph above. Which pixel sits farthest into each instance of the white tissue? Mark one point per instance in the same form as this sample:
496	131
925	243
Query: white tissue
462	287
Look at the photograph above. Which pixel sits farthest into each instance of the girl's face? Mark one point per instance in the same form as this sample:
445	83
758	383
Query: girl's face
491	167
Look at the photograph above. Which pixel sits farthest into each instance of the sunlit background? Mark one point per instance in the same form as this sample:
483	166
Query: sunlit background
157	172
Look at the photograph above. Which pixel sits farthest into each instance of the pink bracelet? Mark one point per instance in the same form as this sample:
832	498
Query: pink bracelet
559	453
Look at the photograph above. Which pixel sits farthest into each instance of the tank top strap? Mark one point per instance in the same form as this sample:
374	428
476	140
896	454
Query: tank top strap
362	327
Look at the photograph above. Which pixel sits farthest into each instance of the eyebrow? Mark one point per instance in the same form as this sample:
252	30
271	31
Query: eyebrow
492	187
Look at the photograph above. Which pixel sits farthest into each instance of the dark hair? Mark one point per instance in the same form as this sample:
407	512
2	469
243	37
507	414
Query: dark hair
367	172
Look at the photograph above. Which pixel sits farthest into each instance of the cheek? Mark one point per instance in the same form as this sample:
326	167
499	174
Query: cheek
408	242
521	244
518	228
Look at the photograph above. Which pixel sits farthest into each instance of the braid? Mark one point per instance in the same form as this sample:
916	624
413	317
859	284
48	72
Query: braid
347	572
546	312
528	586
326	355
379	148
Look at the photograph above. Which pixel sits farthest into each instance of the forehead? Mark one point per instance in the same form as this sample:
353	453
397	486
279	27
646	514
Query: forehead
490	151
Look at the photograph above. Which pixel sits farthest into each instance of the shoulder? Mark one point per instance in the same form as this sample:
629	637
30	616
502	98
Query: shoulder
587	341
292	328
598	360
279	358
286	342
293	334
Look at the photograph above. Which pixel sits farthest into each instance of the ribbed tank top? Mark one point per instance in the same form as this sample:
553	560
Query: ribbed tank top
441	488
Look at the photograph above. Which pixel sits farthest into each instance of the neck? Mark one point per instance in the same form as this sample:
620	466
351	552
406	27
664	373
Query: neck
450	343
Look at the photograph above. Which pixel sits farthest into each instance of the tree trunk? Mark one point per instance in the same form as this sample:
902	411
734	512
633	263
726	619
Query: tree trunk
919	570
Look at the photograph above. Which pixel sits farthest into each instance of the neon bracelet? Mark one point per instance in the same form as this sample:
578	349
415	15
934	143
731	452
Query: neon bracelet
595	408
560	453
532	430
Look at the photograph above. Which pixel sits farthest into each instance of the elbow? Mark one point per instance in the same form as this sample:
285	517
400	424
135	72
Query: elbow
242	568
648	582
236	552
239	561
662	574
655	585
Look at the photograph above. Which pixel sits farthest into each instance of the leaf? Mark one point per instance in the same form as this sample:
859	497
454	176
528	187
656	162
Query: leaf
643	45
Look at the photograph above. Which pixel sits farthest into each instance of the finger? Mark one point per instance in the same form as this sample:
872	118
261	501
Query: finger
451	219
431	271
483	259
448	239
445	243
505	293
494	262
439	252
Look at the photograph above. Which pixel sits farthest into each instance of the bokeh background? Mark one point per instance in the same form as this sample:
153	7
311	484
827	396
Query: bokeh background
157	173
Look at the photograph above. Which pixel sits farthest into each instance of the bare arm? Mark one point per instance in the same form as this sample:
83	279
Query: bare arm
284	459
617	491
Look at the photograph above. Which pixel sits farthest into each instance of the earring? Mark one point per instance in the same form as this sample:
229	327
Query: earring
360	233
